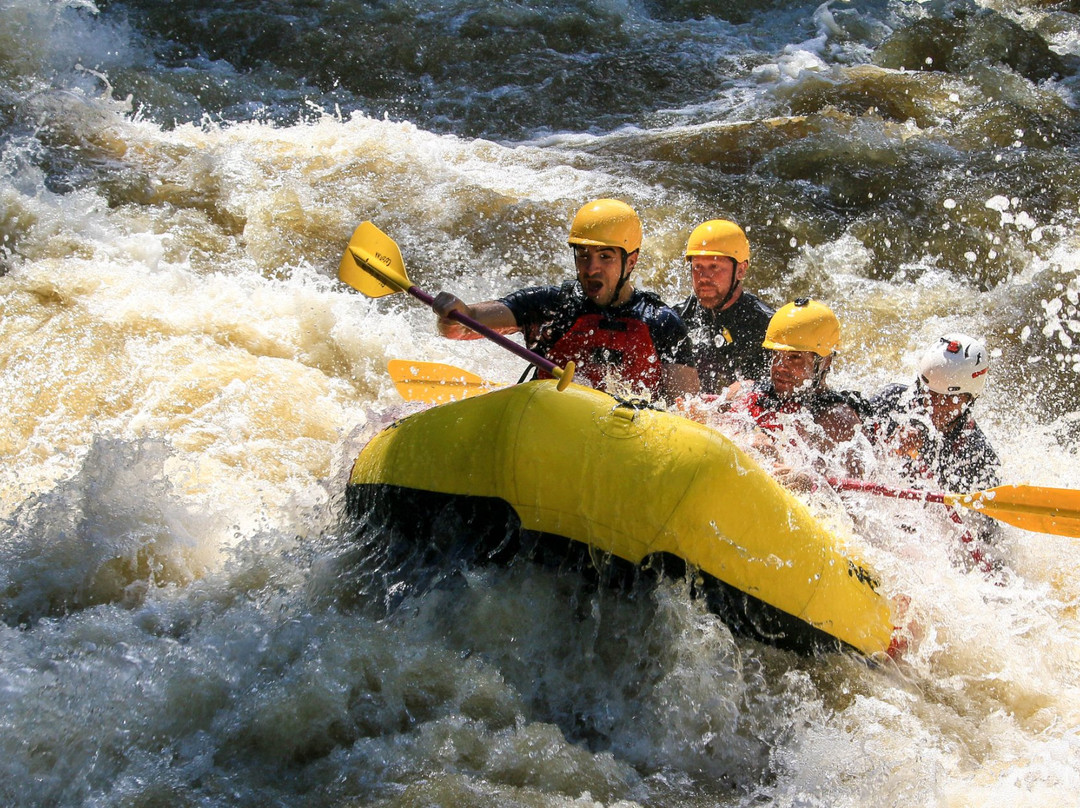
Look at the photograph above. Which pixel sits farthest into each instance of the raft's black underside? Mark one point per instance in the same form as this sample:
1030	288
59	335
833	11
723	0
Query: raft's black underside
427	530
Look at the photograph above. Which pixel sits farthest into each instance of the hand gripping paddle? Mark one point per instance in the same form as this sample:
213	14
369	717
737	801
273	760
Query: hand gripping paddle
372	265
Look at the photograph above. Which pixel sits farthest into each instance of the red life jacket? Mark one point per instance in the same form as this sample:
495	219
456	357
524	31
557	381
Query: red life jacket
764	409
596	343
764	406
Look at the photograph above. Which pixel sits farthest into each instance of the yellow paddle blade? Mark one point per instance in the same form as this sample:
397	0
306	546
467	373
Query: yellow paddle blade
372	263
1031	507
434	383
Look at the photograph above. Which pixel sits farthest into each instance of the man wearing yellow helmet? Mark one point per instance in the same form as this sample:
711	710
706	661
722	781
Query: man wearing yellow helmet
601	322
726	322
803	336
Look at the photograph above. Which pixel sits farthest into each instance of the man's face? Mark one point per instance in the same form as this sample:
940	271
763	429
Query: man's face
713	276
792	372
945	408
599	270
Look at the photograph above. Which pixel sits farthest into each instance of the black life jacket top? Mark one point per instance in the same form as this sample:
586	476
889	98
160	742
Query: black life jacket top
959	460
764	405
727	342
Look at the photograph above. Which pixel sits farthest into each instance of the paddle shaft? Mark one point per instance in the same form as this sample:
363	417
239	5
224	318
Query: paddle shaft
491	334
885	491
1032	507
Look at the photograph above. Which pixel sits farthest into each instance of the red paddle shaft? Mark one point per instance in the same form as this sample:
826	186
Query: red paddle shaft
885	491
494	336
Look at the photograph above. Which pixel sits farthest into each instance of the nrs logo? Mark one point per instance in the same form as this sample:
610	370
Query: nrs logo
860	573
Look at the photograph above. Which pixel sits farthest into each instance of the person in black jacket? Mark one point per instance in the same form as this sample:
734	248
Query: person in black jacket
930	426
727	324
612	331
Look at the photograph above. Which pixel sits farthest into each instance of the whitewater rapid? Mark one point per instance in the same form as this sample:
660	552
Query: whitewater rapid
186	616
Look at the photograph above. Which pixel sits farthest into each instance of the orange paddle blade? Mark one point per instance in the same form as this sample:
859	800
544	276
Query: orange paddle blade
1031	507
434	383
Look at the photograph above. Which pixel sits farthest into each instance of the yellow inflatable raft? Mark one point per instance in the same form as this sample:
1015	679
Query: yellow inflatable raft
638	485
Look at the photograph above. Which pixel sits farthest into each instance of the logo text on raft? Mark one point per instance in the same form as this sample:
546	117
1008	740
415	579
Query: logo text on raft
862	575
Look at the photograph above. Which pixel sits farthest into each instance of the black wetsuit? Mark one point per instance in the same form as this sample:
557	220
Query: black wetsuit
727	342
960	460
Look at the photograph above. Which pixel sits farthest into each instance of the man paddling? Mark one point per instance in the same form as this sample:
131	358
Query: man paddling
931	425
802	338
727	324
610	330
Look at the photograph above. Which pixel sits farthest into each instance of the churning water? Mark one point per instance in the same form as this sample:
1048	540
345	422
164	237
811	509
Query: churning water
187	619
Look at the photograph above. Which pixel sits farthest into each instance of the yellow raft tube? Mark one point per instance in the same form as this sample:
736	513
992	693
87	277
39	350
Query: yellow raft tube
638	484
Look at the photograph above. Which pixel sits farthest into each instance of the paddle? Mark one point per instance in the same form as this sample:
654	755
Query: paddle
1031	507
434	383
372	265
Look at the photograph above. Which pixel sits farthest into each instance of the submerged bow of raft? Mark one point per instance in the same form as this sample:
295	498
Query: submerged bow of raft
580	469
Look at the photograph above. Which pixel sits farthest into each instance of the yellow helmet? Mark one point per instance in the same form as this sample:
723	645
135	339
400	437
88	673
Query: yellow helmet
607	223
805	325
719	237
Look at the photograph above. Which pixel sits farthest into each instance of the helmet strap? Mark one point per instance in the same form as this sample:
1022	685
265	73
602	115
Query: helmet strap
732	289
624	276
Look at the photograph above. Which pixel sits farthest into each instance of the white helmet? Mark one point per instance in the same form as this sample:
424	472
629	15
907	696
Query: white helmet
956	363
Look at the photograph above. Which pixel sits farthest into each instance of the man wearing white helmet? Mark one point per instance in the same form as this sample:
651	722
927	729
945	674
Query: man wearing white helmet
727	324
931	425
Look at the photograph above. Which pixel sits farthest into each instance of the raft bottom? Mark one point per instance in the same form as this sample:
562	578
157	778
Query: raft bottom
427	530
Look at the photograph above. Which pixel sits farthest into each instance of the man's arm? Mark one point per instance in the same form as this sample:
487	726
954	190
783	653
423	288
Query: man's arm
678	375
840	424
492	313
